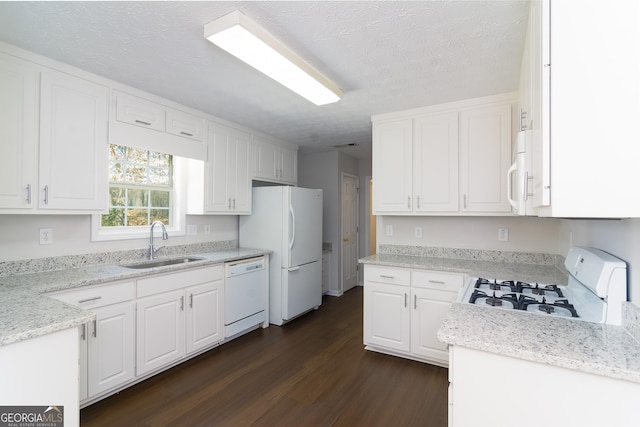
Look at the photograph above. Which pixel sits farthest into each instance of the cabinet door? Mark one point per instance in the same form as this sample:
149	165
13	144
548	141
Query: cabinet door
485	156
288	166
139	112
160	326
435	163
205	323
239	163
392	167
185	125
386	316
18	132
111	351
218	197
265	160
429	308
73	143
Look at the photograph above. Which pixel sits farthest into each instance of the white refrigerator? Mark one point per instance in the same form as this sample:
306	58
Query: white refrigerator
288	221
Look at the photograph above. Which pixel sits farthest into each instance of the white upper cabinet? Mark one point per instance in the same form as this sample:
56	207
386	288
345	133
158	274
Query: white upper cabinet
274	162
19	82
222	184
485	156
449	159
73	143
139	112
583	90
392	166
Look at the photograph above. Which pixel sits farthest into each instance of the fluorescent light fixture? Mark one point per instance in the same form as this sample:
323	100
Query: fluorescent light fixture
246	40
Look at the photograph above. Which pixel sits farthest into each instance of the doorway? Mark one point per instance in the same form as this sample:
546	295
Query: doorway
349	231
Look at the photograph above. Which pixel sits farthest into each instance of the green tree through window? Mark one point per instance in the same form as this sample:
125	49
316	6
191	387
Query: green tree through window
140	187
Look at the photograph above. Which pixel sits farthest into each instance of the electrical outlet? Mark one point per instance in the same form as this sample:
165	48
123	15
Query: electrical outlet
503	234
46	236
192	229
418	232
389	230
207	229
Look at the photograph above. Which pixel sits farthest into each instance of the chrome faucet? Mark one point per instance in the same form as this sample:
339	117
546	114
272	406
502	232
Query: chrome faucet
165	236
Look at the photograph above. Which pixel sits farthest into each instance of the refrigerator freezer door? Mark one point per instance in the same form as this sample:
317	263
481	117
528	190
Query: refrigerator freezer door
301	289
304	236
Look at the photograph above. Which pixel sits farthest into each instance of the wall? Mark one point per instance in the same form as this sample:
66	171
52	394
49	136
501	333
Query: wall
324	170
20	238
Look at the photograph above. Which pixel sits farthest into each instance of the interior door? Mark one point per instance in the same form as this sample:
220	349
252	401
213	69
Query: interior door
349	232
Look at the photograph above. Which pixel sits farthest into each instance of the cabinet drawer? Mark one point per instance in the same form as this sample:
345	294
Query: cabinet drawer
98	296
437	281
172	281
185	125
139	112
393	276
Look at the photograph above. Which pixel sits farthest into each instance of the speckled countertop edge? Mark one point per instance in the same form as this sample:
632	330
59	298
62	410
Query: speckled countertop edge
28	312
594	348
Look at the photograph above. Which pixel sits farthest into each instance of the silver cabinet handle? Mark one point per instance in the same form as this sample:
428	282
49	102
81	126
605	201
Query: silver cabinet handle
418	201
89	299
387	277
182	303
46	194
409	202
415	302
28	194
405	300
186	133
229	205
437	282
234	203
191	301
464	201
143	123
95	328
83	335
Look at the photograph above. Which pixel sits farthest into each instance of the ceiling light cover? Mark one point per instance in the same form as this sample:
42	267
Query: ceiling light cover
246	40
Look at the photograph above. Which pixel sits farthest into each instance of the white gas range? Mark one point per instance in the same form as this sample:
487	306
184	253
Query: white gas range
595	291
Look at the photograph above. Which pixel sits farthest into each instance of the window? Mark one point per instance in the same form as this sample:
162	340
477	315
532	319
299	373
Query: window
144	186
140	187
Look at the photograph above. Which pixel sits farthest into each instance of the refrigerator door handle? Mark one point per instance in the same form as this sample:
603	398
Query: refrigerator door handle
293	227
293	268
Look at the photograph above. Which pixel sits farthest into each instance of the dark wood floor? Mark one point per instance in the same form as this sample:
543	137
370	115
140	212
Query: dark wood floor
313	371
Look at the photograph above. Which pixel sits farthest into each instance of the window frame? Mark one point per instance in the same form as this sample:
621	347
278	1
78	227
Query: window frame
177	214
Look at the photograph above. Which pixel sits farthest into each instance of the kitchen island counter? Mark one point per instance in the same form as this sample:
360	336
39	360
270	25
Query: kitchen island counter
594	348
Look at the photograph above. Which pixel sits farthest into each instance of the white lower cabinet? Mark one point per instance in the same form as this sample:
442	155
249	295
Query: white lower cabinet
178	314
404	308
107	345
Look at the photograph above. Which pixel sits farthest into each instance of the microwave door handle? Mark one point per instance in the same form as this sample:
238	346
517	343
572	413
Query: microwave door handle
512	169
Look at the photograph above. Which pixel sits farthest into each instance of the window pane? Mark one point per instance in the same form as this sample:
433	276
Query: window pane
160	199
158	159
160	215
158	176
117	152
137	155
137	198
115	218
116	172
116	196
137	217
136	174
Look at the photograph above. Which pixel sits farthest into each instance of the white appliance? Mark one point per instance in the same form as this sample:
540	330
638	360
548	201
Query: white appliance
519	192
595	291
288	221
245	295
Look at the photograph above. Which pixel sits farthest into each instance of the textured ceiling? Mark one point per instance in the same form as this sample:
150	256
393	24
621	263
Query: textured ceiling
386	56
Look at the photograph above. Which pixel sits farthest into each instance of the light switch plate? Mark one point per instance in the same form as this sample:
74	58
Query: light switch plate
418	232
389	230
503	234
192	229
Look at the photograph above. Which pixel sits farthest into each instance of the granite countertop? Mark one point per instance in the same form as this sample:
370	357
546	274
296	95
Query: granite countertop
504	269
27	312
594	348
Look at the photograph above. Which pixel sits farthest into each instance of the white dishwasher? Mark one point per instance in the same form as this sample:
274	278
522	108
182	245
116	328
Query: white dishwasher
246	285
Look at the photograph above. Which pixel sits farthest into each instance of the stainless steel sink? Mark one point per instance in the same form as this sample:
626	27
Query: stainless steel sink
162	262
